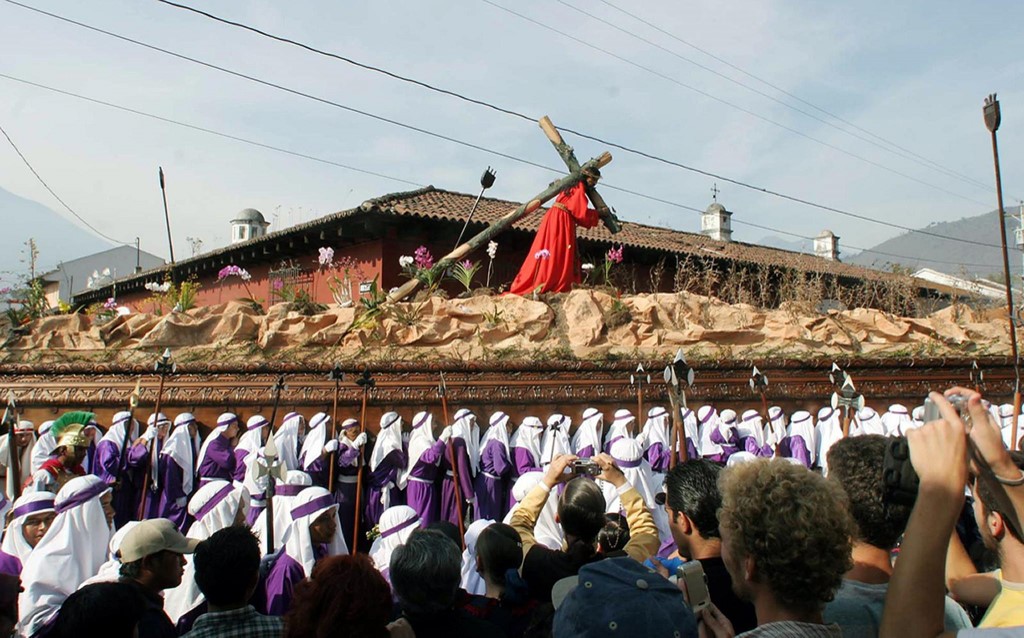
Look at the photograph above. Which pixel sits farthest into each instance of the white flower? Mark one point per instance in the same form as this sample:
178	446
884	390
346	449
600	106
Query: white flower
164	287
326	257
244	274
543	253
124	310
588	267
405	261
492	249
152	286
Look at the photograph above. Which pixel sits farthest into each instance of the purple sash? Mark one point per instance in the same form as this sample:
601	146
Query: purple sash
214	501
627	464
400	527
84	496
30	508
317	504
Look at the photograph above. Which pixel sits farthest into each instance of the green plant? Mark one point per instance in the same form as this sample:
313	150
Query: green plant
495	317
463	272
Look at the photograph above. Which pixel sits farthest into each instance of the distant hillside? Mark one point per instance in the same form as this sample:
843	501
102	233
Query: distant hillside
796	245
922	250
57	239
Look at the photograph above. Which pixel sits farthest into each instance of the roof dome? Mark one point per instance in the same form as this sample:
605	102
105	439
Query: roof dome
250	215
717	208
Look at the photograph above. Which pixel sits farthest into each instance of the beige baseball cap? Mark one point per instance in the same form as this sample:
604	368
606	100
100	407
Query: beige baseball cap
152	536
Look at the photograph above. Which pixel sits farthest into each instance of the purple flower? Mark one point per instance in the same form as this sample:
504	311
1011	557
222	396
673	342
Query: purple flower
232	270
543	253
5	290
424	259
277	285
110	304
615	255
468	265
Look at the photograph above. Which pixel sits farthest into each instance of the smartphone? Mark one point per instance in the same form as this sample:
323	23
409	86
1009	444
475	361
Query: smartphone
691	573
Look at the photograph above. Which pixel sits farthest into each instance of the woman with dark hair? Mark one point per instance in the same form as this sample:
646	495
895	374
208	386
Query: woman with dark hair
507	604
614	535
345	597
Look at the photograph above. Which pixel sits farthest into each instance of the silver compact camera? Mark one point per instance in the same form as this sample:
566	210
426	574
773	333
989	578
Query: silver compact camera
931	410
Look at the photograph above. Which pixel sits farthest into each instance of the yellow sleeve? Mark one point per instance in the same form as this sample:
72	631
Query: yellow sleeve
525	517
643	535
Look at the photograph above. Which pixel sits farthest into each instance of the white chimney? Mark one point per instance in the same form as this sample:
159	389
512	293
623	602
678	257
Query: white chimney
826	246
716	223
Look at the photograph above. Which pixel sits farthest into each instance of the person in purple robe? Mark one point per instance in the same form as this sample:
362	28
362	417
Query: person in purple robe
775	433
145	454
525	444
289	438
350	444
492	479
690	432
750	431
285	493
586	442
387	462
799	441
178	471
556	441
31	516
465	448
314	533
622	426
257	431
655	440
716	445
312	456
420	478
216	457
117	473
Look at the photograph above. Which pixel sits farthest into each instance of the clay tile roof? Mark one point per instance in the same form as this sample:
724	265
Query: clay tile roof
435	203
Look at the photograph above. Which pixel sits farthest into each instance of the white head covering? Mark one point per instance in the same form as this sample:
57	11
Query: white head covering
472	581
707	422
656	428
751	425
316	439
828	431
224	421
917	414
777	430
897	420
26	505
466	428
548	532
619	427
307	507
115	434
1005	421
589	431
556	438
421	440
630	459
497	431
252	440
740	457
43	447
295	482
690	429
287	439
867	421
214	507
528	436
388	440
802	424
180	446
396	526
71	551
110	570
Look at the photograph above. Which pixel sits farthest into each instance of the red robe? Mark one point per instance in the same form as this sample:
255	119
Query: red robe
559	269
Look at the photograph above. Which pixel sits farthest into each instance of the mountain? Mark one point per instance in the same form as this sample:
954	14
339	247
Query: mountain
57	239
795	245
919	251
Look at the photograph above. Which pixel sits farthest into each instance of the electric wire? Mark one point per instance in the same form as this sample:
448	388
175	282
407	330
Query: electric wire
314	158
565	129
476	146
55	195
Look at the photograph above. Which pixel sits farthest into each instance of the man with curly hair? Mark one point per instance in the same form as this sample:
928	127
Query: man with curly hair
856	465
786	543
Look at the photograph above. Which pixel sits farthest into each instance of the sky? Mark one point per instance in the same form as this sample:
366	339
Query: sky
870	107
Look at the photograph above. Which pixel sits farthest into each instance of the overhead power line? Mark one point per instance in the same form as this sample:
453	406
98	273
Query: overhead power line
565	129
731	105
55	195
477	146
903	152
314	158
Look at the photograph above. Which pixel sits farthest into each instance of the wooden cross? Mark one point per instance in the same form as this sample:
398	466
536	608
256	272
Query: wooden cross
565	151
547	194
